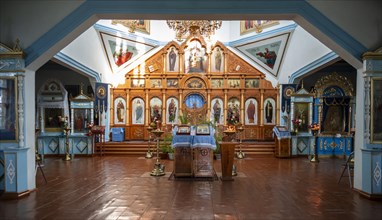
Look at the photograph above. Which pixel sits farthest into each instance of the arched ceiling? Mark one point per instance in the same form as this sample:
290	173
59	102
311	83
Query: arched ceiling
341	26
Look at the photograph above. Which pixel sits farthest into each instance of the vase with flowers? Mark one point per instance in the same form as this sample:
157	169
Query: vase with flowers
314	128
296	124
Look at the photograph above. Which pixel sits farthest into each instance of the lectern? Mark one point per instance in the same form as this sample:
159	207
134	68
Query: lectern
227	154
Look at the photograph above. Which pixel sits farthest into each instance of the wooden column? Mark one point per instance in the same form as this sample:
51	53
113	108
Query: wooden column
278	105
180	102
163	107
242	106
225	106
127	113
261	116
111	109
208	104
147	107
181	61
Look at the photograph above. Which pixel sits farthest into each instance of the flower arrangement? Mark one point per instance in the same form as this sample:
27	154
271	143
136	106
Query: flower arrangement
64	122
233	120
89	127
296	124
296	121
314	127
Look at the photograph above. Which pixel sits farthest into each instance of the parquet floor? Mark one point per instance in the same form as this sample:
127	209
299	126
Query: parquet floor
120	187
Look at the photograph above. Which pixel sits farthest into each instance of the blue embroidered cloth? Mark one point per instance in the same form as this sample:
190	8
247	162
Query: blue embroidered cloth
194	141
281	134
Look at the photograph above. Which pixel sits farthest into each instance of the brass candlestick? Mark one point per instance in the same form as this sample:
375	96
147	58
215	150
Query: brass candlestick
240	154
158	167
315	156
149	154
67	155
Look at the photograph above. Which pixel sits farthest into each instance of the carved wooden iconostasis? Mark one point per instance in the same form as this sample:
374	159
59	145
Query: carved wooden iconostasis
334	105
197	81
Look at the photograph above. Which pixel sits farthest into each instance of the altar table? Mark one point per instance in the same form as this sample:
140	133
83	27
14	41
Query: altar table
193	155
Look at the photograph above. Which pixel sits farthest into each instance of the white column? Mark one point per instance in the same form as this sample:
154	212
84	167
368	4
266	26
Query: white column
20	109
359	134
29	125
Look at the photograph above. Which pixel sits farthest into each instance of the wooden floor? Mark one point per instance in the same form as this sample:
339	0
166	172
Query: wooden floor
120	187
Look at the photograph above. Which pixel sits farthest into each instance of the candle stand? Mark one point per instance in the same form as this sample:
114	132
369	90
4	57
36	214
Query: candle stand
240	154
158	167
67	155
315	156
149	154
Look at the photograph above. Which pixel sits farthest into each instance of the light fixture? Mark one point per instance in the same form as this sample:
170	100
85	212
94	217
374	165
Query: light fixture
183	28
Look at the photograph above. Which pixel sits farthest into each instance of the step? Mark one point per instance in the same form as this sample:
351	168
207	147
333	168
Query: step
141	147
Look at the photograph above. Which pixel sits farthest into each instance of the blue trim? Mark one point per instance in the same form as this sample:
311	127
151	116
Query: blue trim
227	9
331	30
57	33
69	61
313	65
113	31
284	29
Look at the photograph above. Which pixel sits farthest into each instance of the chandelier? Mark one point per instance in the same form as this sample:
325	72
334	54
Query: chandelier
192	27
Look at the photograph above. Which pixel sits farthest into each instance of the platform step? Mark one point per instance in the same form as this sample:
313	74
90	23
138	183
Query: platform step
141	147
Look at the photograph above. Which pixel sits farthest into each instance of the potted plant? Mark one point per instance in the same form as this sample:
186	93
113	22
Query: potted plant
183	119
217	153
166	147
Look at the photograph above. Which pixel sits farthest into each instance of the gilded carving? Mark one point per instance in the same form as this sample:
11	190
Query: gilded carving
334	79
138	132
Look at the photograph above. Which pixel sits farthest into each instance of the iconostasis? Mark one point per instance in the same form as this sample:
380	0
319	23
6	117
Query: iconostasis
199	82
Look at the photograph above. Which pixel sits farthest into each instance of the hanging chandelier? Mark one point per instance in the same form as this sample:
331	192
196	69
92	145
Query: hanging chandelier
183	28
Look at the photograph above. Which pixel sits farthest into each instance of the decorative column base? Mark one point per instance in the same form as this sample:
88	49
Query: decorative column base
315	159
149	155
158	170
240	155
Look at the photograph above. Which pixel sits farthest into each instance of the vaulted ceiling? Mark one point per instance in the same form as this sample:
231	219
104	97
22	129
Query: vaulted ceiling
348	28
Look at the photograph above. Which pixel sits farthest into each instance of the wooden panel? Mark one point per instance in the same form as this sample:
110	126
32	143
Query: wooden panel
203	162
283	147
268	132
127	133
228	151
137	132
183	161
251	133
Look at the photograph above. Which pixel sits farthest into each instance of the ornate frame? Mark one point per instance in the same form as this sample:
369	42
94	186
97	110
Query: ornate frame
267	53
142	26
13	130
376	95
333	80
257	25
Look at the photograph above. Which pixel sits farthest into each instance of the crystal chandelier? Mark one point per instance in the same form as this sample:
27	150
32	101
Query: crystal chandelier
187	27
